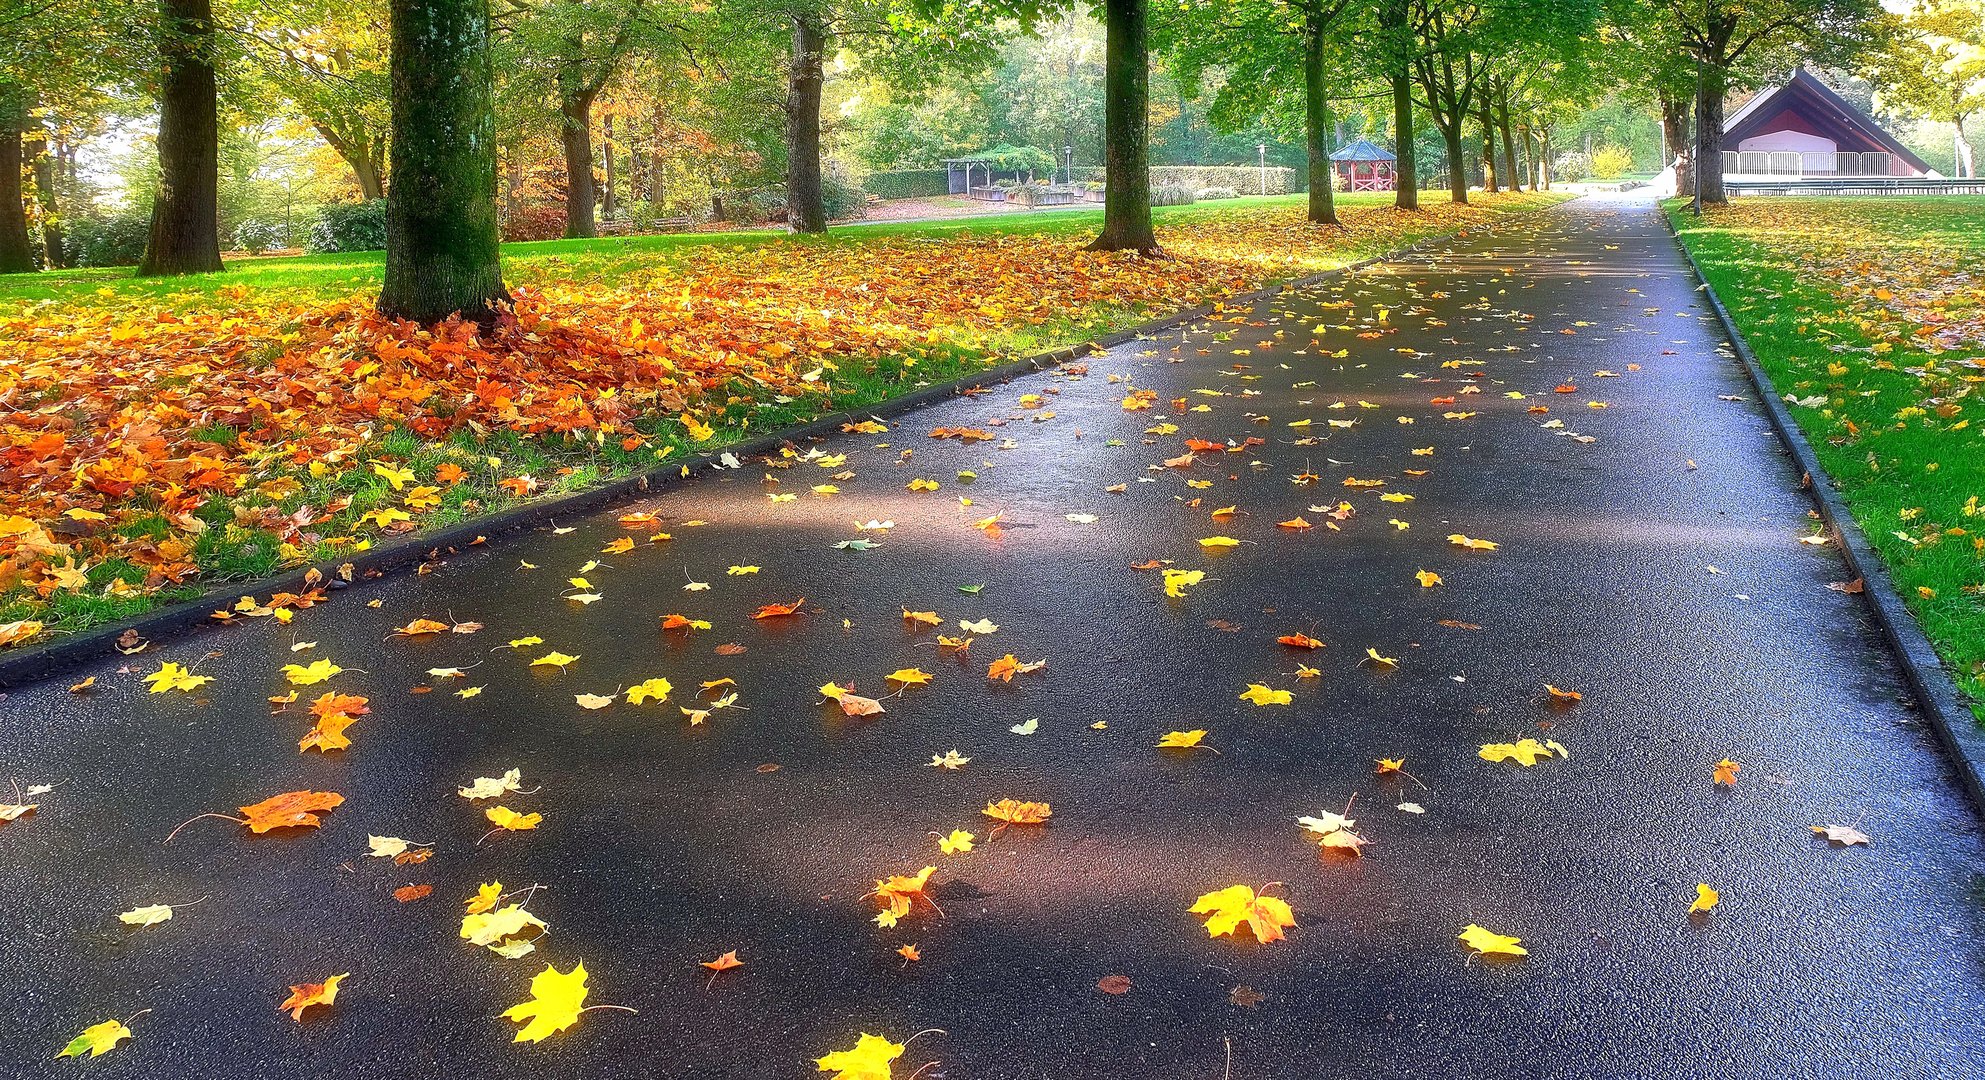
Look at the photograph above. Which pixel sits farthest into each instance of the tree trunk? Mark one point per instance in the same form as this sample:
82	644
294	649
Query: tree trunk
608	205
185	236
1126	143
1317	121
1709	124
1544	159
358	155
1488	142
441	236
16	251
1406	193
806	208
1510	171
1457	171
42	164
575	132
1675	139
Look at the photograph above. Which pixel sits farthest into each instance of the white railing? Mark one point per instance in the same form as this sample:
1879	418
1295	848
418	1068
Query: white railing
1792	164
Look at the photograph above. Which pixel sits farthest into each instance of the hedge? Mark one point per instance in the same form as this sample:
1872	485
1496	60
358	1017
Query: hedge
907	184
1245	179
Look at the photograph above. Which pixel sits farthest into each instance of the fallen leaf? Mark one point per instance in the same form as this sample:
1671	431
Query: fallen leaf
1226	909
304	995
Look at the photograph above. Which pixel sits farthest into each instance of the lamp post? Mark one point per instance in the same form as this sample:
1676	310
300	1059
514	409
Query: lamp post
1068	159
1261	151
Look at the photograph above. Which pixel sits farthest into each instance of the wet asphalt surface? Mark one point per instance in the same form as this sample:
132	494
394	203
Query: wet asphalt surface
664	844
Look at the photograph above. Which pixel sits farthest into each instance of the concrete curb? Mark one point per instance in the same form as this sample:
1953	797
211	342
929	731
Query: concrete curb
44	661
1935	692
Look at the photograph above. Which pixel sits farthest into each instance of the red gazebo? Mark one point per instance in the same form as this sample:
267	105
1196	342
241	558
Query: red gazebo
1364	166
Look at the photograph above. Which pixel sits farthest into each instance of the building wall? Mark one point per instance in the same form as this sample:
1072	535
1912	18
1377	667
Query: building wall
1795	141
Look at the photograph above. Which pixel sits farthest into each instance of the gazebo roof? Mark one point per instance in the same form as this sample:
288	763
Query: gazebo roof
1362	150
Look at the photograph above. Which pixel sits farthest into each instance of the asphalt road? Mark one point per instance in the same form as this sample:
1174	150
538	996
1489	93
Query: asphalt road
665	844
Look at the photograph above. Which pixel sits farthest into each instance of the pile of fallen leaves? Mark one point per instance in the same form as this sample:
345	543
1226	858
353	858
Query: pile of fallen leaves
130	431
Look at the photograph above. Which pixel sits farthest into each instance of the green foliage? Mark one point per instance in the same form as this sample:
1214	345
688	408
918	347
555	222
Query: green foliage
255	236
907	183
1009	158
1611	162
350	227
111	239
1571	167
1173	195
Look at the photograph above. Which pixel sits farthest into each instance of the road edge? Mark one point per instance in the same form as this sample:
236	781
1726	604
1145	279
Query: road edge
1936	693
40	662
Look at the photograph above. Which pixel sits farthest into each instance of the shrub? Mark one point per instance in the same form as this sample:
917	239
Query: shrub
841	200
114	239
1571	167
1611	162
908	183
533	222
1009	158
1242	178
1219	193
350	227
1171	195
256	237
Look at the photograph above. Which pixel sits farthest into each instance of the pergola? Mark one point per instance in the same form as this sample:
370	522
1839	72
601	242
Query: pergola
1364	166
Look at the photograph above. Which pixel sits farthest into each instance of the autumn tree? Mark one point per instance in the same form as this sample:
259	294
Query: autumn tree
16	250
1278	58
327	58
1935	68
441	229
185	233
1730	37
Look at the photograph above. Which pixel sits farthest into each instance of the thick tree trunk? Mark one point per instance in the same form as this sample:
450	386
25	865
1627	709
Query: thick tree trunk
575	131
42	164
1675	139
185	236
1316	122
1511	171
1488	123
1709	123
608	205
1126	144
1406	195
1544	159
806	208
441	236
16	250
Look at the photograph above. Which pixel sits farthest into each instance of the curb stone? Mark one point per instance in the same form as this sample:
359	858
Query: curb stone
35	663
1930	684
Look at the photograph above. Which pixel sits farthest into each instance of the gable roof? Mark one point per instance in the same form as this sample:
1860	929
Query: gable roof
1362	150
1813	101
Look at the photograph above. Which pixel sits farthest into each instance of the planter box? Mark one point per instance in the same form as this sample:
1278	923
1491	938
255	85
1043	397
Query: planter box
989	194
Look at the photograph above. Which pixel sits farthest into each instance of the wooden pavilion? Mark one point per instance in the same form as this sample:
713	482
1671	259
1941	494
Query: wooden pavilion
1364	166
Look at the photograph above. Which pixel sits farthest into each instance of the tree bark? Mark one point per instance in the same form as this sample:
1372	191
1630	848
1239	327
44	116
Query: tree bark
1513	174
42	164
608	204
1316	122
1544	159
1675	139
185	236
1488	142
16	251
1126	142
1709	123
359	155
1406	186
441	234
806	207
1457	171
575	131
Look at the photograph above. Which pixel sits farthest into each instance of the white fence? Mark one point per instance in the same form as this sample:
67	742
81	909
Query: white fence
1794	164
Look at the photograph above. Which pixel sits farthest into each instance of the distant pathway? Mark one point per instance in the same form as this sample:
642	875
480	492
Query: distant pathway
1648	558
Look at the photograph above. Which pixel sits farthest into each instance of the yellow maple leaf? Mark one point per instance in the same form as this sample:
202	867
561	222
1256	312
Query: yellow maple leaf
505	818
171	676
958	841
1385	661
868	1059
1470	543
485	899
1226	909
309	675
1490	943
1176	581
1262	695
98	1040
553	659
1706	898
910	676
556	1000
1212	542
656	689
1182	740
1525	752
1428	579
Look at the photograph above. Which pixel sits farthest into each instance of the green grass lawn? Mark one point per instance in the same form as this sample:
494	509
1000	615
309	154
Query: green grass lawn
1865	313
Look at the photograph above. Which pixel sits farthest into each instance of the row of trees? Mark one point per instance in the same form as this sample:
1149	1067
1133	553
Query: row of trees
420	127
